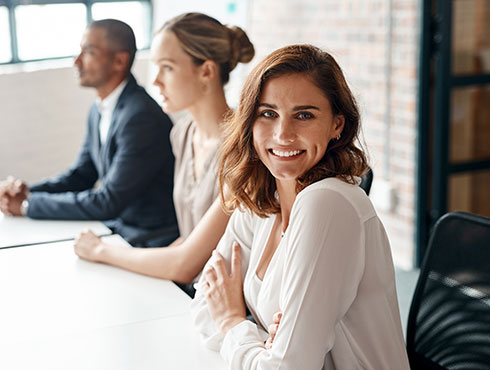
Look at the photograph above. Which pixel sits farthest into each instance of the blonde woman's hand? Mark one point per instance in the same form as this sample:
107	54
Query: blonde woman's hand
224	291
88	246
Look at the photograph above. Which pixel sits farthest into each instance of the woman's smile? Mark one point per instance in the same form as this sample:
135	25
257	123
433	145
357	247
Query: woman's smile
289	154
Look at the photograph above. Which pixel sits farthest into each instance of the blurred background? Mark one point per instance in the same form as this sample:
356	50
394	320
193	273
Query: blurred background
420	70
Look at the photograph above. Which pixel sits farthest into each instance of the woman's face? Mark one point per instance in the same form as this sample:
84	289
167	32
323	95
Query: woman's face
178	76
294	125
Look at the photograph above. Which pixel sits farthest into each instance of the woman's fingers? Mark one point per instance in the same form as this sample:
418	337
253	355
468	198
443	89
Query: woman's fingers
210	275
218	263
273	329
276	318
236	261
268	343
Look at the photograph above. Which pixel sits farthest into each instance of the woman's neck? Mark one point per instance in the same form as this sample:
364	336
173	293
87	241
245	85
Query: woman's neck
287	195
208	113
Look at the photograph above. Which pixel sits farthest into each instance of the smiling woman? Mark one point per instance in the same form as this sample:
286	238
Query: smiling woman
304	249
332	102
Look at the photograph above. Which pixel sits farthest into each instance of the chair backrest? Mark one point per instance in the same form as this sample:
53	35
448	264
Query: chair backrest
449	320
367	180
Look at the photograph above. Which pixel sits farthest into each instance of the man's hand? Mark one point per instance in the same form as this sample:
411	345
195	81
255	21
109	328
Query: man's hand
12	193
13	187
11	205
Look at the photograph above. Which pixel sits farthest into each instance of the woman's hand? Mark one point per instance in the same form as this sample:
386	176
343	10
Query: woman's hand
223	291
276	319
88	246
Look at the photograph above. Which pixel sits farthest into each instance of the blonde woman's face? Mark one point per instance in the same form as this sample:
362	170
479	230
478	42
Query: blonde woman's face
294	125
178	76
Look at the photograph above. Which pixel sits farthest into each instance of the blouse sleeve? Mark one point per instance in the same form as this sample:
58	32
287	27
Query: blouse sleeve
239	229
323	267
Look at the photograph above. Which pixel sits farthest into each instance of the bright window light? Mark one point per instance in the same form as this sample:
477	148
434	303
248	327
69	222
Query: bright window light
5	54
134	13
47	31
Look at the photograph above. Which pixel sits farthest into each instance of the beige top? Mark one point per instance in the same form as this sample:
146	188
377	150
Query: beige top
331	275
192	197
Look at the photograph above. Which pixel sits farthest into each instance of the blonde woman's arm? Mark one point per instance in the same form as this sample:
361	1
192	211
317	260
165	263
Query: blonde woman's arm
182	261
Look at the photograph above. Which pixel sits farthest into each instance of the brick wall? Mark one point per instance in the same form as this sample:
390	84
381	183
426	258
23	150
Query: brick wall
381	71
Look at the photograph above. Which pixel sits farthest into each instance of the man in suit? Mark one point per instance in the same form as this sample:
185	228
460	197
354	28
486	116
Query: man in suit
124	172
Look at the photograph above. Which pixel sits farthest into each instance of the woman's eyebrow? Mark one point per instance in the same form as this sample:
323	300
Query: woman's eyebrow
303	107
165	60
296	108
265	105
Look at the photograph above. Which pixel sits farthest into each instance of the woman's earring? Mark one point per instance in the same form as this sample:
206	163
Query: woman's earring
338	137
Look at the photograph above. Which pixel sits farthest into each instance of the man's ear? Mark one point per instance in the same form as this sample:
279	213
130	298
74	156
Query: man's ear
121	60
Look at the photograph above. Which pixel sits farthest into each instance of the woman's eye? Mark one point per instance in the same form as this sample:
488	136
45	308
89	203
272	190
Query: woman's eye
166	68
304	115
268	114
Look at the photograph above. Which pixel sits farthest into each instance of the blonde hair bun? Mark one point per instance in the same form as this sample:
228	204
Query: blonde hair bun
241	49
206	38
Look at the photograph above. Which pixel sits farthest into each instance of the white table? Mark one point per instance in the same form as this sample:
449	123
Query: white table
20	231
60	312
169	343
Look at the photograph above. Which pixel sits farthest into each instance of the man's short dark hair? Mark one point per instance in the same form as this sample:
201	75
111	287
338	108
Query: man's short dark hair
120	36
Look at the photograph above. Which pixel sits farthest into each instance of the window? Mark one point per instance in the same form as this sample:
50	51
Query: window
134	13
5	52
47	31
43	29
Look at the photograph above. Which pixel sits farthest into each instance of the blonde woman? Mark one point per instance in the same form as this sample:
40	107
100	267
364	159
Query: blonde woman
194	54
304	240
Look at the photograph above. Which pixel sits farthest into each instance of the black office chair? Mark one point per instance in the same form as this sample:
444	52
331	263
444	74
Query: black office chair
449	320
367	180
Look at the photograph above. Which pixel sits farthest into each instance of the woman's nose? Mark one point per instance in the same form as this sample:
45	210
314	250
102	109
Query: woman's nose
156	81
284	131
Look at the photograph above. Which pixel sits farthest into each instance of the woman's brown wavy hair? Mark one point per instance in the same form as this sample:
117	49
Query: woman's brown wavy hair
248	183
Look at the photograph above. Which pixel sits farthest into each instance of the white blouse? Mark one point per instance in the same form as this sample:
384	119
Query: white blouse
332	276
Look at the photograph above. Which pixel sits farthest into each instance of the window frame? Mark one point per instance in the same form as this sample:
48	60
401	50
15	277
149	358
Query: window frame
12	4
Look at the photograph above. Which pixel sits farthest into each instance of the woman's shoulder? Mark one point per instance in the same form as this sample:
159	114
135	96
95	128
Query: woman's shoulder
243	216
180	133
333	193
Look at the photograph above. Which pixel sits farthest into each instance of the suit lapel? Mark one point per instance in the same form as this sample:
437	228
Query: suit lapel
105	158
95	149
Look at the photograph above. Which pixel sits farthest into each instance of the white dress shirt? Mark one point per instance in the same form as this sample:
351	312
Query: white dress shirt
331	275
106	108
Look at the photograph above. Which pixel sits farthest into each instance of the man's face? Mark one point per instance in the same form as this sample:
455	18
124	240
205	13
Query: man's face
95	63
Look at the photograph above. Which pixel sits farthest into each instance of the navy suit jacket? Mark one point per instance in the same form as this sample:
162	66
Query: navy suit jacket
135	172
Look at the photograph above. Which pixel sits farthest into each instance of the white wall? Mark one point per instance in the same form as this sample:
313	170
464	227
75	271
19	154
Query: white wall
43	117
